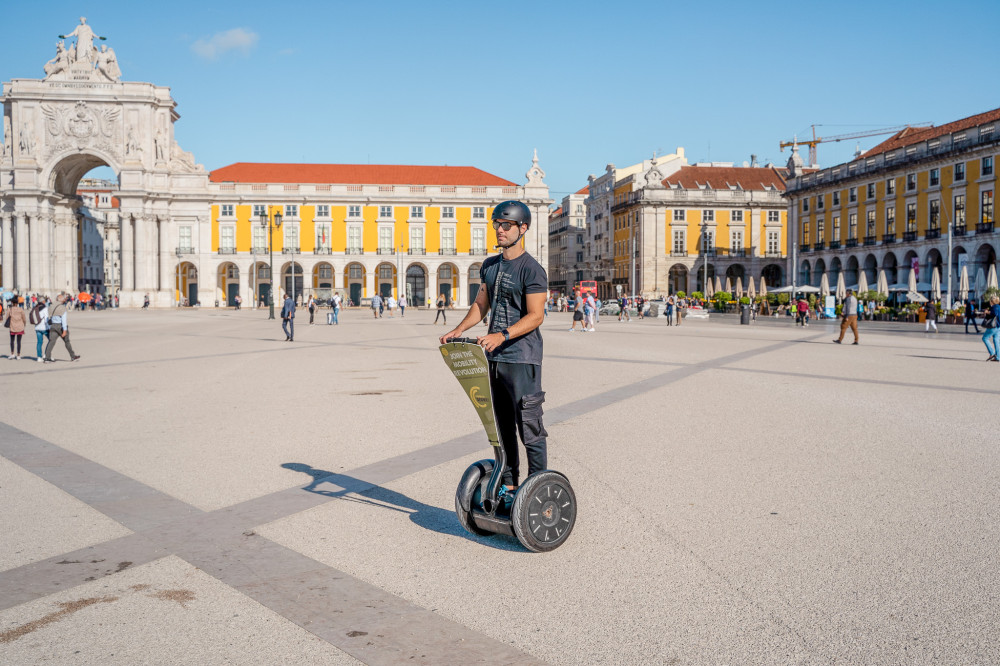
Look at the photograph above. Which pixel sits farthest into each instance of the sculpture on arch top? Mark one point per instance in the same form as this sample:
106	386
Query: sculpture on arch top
82	61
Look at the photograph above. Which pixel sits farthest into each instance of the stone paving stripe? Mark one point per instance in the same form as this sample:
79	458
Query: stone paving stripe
40	579
356	617
130	502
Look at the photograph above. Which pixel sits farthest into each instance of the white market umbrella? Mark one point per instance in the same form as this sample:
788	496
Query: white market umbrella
862	283
824	285
883	284
718	283
739	287
763	286
751	292
980	283
729	285
912	281
936	284
963	283
709	290
991	278
915	297
841	289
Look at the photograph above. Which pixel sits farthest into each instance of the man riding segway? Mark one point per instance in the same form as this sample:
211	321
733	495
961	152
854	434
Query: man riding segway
515	291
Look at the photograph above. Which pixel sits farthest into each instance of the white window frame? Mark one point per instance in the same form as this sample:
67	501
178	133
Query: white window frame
184	233
227	210
774	216
227	230
450	229
479	238
355	211
960	165
258	210
479	212
320	226
258	237
383	209
386	230
680	215
680	240
736	216
447	212
291	211
419	230
323	211
708	215
416	212
290	232
355	230
773	241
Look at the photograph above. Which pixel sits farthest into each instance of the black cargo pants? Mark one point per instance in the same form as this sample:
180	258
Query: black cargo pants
517	404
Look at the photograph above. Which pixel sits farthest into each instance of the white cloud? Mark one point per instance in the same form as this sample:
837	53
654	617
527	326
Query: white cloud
237	39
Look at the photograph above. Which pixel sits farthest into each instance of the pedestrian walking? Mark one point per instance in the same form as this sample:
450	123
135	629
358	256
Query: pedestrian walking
16	321
803	312
623	309
440	310
849	312
640	304
991	322
970	316
238	300
390	304
288	319
312	309
931	319
40	318
334	319
670	310
376	306
145	302
578	314
589	308
59	329
402	305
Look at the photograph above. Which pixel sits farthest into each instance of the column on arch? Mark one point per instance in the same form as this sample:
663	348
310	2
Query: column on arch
140	230
46	231
35	257
7	247
371	282
128	256
20	252
165	255
463	287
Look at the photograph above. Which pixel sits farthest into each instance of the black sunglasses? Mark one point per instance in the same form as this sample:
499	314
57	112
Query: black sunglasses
506	224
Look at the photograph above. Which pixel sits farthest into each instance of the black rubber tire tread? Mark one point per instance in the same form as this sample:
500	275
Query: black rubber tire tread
520	512
465	517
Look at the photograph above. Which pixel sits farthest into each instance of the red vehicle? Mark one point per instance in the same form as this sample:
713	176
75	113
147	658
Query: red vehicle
586	287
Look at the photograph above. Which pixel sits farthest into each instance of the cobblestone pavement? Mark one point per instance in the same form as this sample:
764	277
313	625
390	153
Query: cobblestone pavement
197	490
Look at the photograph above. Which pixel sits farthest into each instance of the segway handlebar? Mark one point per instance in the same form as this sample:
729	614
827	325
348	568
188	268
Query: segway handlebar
470	341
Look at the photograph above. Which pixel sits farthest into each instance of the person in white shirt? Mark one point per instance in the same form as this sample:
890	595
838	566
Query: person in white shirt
59	329
402	305
41	328
390	303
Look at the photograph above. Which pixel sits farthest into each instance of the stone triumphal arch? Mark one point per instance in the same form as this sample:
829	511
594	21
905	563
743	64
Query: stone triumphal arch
79	116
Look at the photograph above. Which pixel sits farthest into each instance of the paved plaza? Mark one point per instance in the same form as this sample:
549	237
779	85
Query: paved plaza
196	490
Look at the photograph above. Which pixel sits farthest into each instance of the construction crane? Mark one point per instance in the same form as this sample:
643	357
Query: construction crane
842	137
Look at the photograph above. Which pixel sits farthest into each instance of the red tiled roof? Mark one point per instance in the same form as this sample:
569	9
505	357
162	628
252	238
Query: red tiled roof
354	174
585	190
722	178
557	212
912	135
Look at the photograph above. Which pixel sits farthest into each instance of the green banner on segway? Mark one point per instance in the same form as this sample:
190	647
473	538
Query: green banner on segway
468	363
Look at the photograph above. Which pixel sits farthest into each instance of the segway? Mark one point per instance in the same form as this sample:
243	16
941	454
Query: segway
543	510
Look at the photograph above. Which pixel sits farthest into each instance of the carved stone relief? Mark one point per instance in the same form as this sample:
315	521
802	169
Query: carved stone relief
76	126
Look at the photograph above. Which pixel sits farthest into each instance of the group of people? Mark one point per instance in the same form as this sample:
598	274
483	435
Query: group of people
50	322
382	303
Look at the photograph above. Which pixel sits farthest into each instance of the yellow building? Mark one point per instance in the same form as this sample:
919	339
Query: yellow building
354	229
890	210
719	219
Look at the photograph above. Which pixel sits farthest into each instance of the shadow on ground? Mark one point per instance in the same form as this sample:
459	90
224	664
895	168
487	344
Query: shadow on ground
426	516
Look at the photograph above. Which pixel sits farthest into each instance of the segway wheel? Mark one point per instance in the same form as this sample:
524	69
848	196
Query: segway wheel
544	511
469	494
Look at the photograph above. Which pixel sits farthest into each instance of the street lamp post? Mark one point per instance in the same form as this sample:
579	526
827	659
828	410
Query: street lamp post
704	249
266	222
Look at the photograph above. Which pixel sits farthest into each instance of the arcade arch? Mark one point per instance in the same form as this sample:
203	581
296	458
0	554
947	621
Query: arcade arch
416	285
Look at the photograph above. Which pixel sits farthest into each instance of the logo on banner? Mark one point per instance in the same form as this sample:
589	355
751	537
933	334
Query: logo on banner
478	400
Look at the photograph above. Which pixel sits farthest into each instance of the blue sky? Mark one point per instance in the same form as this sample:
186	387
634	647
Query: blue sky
483	84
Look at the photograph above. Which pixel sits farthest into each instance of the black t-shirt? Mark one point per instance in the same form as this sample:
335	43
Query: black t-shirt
517	278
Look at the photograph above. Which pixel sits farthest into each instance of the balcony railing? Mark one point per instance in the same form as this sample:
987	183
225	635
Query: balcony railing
852	242
740	252
931	234
871	240
708	253
386	250
835	245
478	252
909	236
819	246
185	249
258	249
290	250
774	253
354	250
984	228
417	250
321	250
678	253
227	250
805	247
888	238
447	251
959	230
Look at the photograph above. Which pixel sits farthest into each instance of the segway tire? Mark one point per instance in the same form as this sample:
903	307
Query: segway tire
544	511
469	495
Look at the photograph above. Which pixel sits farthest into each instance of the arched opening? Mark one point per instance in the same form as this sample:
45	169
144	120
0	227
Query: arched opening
911	264
260	282
322	281
805	274
229	284
986	256
772	275
734	271
700	277
891	268
934	260
187	284
291	280
819	271
836	268
354	281
851	272
416	285
871	271
475	282
386	274
447	282
677	278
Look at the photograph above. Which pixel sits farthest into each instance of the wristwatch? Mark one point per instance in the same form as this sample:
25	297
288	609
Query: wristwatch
506	335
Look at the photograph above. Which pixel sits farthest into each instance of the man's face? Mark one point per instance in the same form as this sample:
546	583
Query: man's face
506	235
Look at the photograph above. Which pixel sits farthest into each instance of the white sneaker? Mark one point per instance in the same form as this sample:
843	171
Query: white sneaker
40	359
591	329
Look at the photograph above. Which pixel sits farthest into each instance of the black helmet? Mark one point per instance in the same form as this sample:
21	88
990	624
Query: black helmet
515	211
